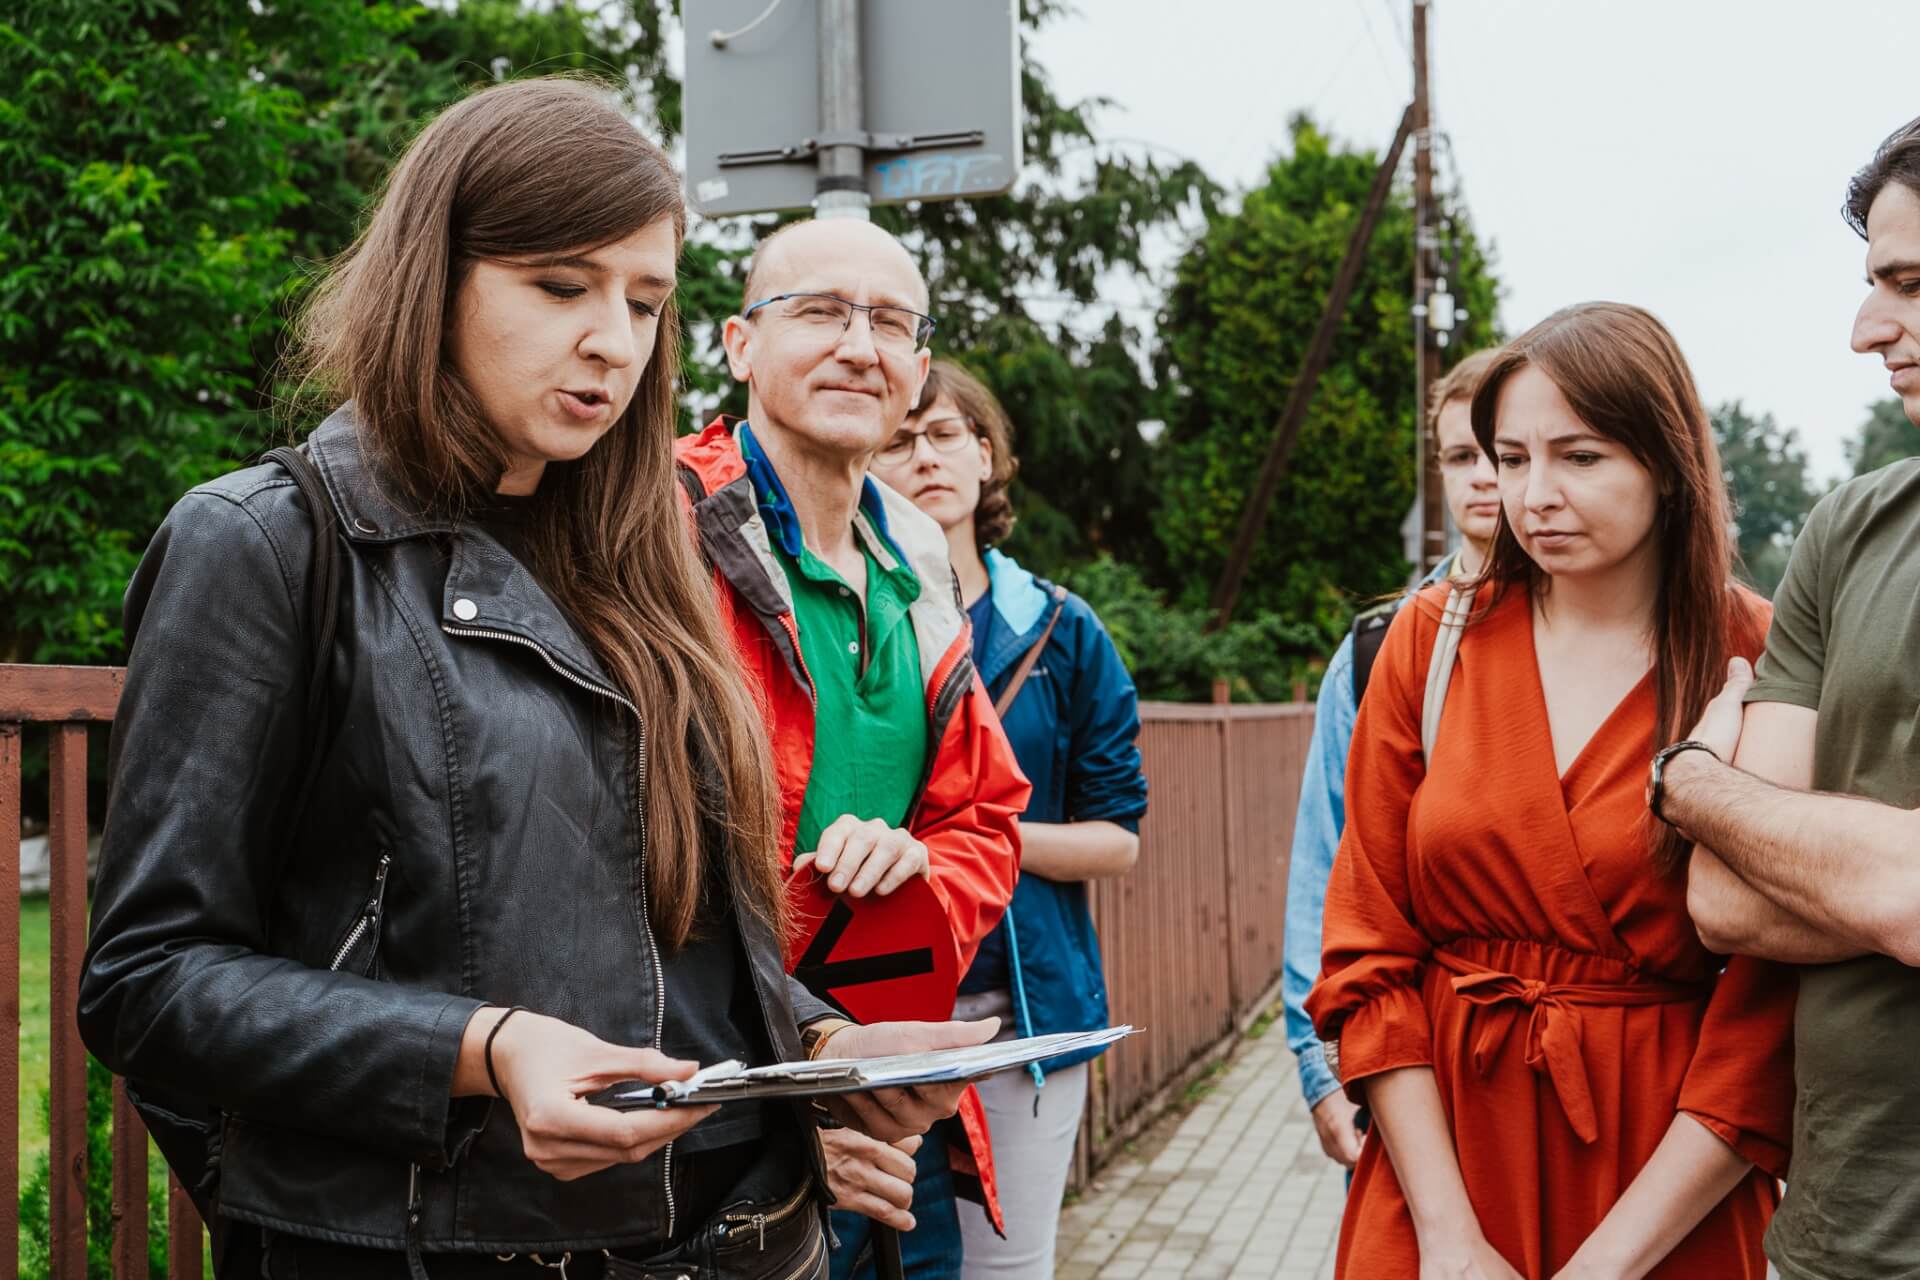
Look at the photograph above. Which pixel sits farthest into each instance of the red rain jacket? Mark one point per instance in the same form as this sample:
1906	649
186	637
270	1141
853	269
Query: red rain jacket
968	808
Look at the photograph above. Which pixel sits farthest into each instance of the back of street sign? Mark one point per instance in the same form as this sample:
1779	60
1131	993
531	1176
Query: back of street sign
940	92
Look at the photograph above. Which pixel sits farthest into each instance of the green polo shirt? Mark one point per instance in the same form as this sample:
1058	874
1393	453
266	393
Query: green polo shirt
870	712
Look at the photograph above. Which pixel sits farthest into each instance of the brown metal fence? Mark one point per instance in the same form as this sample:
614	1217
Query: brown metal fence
1192	937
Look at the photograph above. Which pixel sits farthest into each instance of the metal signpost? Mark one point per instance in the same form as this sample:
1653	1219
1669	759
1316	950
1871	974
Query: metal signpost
838	105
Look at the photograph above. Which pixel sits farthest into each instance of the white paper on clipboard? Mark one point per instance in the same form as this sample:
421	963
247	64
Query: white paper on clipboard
733	1082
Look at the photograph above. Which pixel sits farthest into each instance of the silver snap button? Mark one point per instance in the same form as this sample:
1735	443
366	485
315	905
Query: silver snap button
465	609
853	646
365	525
845	592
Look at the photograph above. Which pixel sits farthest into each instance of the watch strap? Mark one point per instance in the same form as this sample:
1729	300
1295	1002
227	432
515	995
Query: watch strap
813	1036
1656	781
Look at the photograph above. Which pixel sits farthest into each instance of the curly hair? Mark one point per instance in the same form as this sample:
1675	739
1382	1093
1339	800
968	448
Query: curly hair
993	516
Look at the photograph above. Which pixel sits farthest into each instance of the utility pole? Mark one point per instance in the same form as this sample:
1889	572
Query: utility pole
1253	515
841	189
1426	349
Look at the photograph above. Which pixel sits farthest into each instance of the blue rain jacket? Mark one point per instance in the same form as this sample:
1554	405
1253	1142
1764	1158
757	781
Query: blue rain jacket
1074	727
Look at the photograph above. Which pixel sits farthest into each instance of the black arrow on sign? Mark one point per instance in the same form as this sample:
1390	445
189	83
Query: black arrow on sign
821	976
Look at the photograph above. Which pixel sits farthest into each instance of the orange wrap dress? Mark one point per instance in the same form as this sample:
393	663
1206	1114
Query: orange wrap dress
1506	927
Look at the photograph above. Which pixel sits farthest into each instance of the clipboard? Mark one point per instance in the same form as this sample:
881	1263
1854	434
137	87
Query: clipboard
732	1081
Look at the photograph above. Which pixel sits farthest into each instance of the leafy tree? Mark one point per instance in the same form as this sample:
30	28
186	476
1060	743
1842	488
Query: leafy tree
1766	474
1886	436
1247	299
1170	651
147	180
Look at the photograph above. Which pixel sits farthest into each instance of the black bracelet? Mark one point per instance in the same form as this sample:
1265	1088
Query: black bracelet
493	1079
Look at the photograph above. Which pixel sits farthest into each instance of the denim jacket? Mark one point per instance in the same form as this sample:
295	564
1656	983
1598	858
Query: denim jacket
1317	825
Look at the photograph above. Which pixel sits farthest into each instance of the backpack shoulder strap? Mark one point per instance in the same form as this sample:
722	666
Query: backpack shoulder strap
323	602
1020	673
1369	633
1446	652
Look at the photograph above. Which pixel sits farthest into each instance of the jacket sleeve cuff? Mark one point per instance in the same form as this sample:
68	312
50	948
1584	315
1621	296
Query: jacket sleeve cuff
448	1124
807	1007
1766	1154
1387	1033
1316	1077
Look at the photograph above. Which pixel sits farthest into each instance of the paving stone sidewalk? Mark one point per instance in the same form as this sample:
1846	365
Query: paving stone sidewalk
1235	1187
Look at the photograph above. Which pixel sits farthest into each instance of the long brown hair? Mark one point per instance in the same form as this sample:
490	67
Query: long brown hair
993	515
527	168
1623	375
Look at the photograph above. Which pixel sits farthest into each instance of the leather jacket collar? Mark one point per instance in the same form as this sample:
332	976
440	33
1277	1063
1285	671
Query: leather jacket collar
487	590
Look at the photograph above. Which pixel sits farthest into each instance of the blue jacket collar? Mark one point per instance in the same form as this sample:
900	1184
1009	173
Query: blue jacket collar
1022	603
783	523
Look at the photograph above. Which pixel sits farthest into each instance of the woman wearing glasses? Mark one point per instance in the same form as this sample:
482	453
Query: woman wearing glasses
1069	708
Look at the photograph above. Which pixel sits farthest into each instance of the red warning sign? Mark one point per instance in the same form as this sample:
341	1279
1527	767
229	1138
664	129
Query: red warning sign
874	959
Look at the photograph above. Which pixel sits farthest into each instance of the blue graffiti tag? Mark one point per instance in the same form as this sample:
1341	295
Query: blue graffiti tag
945	174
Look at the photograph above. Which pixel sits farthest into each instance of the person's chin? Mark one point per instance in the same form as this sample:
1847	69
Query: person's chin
1479	529
943	506
847	419
568	442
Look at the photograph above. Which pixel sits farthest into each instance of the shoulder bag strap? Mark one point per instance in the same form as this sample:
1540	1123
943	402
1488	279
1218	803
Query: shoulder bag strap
1446	650
323	604
1020	673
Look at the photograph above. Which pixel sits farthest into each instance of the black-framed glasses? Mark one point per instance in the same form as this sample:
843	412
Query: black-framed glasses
893	327
943	435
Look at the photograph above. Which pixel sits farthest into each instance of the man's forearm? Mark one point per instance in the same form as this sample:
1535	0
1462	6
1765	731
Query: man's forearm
1734	918
1845	865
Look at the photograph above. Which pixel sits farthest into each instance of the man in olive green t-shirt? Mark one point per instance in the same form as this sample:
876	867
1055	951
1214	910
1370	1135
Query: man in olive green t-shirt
1832	881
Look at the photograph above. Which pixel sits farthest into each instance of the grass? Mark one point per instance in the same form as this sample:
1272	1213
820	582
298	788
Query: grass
1263	1022
35	1027
1203	1084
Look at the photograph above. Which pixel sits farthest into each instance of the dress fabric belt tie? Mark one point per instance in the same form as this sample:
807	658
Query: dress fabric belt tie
1553	1024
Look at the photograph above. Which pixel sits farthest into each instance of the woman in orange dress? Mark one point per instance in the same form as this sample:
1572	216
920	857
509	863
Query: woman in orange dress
1563	1081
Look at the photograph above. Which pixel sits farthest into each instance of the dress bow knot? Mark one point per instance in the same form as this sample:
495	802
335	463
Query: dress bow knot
1553	1039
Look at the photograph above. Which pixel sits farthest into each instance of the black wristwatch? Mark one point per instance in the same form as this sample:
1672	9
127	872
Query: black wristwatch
1656	779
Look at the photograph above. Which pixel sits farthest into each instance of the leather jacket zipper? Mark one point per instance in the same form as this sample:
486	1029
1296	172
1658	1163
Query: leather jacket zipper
759	1222
369	919
646	912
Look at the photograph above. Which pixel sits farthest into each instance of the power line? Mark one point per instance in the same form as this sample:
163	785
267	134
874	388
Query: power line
1399	28
1339	67
1386	63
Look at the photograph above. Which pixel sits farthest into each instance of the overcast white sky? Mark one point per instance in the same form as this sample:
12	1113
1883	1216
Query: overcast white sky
1686	155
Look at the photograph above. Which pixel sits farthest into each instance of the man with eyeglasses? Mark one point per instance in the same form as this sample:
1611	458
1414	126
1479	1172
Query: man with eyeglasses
897	782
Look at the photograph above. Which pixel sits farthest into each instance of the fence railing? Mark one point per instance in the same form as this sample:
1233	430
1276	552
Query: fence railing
66	700
1192	938
1192	935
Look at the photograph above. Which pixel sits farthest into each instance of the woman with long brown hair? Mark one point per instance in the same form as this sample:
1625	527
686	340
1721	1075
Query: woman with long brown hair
440	802
1564	1082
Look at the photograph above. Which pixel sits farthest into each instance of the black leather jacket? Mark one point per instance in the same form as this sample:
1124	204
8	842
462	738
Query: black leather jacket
471	839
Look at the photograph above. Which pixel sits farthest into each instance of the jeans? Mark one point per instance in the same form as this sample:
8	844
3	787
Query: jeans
931	1251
